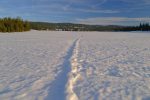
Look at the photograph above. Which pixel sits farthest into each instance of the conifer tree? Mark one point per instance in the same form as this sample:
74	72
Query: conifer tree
8	24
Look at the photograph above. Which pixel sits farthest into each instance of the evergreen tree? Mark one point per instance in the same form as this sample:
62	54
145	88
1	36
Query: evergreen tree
8	24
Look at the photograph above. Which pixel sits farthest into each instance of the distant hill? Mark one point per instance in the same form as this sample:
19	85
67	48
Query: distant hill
83	27
73	27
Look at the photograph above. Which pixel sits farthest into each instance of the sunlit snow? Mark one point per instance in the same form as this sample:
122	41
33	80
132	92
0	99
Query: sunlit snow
45	65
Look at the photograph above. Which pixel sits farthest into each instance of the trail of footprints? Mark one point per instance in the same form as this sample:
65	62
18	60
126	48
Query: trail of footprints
74	74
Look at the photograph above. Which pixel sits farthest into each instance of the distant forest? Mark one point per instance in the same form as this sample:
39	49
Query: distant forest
13	25
83	27
19	25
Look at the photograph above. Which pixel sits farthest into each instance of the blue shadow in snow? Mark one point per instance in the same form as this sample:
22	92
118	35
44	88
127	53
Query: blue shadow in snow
58	89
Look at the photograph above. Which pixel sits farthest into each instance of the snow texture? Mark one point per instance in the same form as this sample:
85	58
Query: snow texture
44	65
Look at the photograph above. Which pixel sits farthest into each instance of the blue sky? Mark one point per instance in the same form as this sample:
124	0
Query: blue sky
102	12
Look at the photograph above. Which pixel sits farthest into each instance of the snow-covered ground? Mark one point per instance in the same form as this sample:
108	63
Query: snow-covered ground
40	65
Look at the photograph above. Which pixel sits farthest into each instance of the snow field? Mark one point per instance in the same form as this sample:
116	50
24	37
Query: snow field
29	63
40	65
113	66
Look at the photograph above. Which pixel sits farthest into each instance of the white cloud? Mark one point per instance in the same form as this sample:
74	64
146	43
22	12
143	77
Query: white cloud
147	1
112	21
97	11
137	2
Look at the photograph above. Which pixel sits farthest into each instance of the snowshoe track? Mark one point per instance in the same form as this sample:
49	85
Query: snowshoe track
74	74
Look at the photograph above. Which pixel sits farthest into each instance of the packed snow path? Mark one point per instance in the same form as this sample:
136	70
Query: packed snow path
63	86
58	88
40	65
74	76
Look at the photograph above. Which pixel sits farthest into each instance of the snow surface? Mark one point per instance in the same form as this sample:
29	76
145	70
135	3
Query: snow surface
44	65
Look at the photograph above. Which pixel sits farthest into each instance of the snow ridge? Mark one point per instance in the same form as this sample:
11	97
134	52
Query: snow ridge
74	74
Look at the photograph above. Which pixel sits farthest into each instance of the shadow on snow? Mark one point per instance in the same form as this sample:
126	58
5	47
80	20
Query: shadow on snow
58	89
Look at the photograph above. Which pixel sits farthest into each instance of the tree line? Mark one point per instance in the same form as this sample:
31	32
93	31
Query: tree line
72	27
8	24
83	27
141	27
